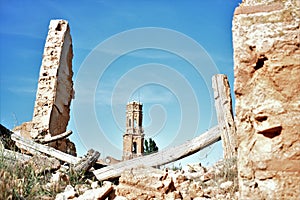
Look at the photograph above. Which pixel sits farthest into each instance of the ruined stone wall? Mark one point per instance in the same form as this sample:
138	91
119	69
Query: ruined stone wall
267	89
55	88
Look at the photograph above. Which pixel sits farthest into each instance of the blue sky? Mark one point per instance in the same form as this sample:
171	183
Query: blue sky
176	95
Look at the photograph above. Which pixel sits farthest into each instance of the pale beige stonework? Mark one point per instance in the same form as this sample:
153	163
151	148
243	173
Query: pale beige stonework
267	88
55	89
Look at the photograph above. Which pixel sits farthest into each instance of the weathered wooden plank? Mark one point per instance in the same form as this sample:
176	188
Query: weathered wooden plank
27	149
14	156
162	157
88	161
54	138
35	148
223	106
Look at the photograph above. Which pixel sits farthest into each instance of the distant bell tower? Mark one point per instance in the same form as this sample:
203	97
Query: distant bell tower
133	138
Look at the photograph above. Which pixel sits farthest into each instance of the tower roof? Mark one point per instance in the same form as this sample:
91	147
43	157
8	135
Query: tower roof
134	102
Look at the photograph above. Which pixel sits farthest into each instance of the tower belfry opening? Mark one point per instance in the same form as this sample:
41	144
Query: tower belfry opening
133	138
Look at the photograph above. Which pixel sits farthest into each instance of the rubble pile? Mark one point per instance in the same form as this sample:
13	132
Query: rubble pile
216	182
138	183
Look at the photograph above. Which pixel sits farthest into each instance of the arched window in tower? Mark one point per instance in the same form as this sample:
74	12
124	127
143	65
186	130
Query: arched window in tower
129	122
134	123
134	146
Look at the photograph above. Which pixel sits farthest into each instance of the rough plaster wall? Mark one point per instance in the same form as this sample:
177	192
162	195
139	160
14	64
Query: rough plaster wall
267	88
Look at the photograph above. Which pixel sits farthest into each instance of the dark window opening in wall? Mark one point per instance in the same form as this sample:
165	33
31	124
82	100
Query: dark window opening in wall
129	122
134	147
58	28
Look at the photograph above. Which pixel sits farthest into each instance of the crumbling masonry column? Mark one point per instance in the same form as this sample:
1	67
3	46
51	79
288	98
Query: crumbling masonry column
267	89
55	87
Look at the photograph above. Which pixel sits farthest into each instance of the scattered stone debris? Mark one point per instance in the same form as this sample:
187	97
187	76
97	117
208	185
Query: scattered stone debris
64	182
149	183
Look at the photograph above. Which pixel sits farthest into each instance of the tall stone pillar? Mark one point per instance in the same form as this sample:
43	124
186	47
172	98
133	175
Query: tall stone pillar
266	40
55	89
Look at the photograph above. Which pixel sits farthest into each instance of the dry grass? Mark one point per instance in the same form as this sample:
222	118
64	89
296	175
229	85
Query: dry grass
19	181
229	172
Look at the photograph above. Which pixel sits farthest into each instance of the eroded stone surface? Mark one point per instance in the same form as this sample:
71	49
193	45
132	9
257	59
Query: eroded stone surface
55	89
267	88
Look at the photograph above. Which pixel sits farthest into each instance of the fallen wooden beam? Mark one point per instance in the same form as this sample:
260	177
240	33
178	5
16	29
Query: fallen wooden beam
14	156
88	161
224	113
162	157
36	148
54	138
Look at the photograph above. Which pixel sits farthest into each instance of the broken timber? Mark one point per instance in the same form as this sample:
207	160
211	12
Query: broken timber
14	156
54	138
223	106
86	163
36	148
83	164
162	157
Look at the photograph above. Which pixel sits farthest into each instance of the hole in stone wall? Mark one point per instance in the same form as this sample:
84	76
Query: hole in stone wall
260	62
255	185
271	132
58	28
261	118
45	74
252	48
